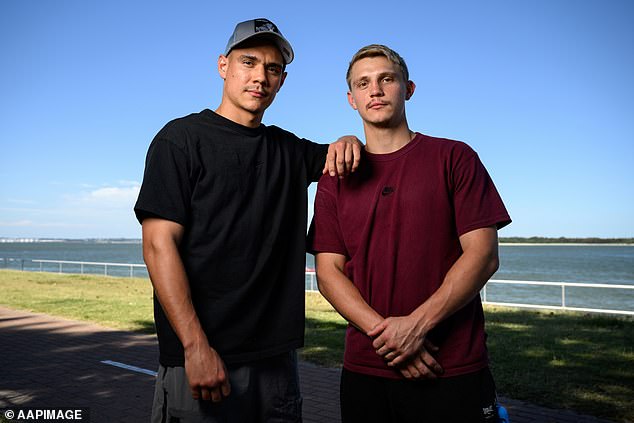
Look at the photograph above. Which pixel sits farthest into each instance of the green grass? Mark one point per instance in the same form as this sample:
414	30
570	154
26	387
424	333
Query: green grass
325	332
561	360
565	360
122	303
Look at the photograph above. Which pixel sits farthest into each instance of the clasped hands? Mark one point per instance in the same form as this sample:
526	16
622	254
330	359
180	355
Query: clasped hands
403	344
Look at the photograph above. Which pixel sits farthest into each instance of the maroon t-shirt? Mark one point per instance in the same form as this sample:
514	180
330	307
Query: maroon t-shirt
398	220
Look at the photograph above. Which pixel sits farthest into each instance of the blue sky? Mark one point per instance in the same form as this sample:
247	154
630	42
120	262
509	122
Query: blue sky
543	90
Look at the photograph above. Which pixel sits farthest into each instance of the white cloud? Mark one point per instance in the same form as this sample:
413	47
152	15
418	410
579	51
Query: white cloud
113	196
107	197
100	211
16	223
124	182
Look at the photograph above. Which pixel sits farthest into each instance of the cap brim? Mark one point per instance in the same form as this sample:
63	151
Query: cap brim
280	42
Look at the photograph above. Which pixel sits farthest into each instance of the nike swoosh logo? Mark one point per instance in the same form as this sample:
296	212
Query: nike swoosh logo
387	191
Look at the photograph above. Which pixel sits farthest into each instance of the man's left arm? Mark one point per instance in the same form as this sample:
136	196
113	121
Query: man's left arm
399	339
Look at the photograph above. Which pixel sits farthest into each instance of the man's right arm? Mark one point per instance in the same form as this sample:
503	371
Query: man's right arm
335	286
206	372
339	290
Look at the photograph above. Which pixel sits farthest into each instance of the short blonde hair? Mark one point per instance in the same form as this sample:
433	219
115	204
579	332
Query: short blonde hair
374	50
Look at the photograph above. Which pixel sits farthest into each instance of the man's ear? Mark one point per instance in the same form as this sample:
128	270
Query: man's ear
223	62
282	81
351	101
411	87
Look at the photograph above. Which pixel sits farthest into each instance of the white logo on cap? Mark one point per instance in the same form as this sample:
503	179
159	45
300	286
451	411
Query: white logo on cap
265	27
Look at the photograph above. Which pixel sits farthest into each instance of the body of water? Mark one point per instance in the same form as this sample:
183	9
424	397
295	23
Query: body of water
604	264
588	264
20	255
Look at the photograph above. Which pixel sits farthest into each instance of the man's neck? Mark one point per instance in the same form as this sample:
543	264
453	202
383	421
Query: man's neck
238	116
380	140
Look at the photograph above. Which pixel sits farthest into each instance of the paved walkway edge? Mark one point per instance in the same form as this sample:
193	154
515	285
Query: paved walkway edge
48	361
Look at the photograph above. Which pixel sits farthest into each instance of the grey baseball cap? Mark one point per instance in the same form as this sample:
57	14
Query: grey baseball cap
260	28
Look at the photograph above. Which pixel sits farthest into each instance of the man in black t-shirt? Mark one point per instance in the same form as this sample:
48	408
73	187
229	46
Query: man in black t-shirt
223	211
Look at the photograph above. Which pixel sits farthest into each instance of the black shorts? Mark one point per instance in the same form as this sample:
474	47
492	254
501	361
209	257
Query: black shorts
466	398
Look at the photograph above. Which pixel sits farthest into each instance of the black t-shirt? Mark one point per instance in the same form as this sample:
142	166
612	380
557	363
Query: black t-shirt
241	195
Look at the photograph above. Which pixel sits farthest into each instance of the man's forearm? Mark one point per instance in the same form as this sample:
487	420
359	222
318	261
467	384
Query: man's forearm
170	283
206	372
335	286
400	338
463	281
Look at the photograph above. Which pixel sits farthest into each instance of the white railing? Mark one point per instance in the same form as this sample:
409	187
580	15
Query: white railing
6	262
311	284
82	264
562	286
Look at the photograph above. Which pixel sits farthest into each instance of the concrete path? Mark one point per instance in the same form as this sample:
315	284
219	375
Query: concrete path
47	361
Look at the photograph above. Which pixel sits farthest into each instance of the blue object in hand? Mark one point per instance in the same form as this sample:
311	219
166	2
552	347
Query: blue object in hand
503	414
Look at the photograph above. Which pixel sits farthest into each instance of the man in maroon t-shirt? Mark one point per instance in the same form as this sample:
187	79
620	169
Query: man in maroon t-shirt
403	248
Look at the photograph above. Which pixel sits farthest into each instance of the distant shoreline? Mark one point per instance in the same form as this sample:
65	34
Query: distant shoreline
71	240
564	241
566	244
520	241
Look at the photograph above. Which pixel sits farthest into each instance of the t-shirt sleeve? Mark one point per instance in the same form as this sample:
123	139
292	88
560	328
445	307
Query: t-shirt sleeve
315	157
324	235
165	192
477	203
